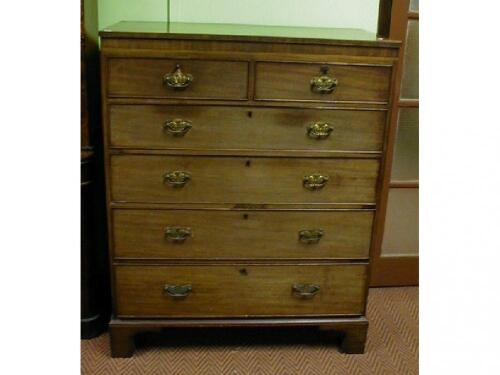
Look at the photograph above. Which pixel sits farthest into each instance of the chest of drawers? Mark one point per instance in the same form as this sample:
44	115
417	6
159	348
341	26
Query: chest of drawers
242	179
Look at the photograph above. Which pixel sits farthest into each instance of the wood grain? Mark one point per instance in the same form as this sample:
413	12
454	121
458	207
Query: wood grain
394	271
247	153
138	178
244	45
291	81
222	127
143	77
287	35
240	290
241	234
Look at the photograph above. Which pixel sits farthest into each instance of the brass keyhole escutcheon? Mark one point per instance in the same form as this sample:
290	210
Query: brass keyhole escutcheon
177	79
324	83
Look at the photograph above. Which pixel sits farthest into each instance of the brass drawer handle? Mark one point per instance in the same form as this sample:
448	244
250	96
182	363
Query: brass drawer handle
324	84
178	291
319	130
177	178
177	127
177	79
311	236
314	181
305	291
177	234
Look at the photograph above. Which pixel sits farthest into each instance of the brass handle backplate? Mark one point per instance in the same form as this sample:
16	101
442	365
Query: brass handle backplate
177	291
177	178
177	127
319	130
314	181
305	290
311	236
177	234
324	84
177	79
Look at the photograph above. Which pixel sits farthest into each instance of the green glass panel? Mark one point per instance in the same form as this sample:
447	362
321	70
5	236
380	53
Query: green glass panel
409	82
352	14
414	5
113	11
401	223
405	162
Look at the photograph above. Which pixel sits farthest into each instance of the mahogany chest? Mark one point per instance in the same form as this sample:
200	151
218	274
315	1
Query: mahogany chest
242	179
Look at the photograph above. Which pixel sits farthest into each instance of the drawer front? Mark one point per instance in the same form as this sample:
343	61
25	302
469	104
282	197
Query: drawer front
137	77
188	127
291	81
240	290
210	234
197	179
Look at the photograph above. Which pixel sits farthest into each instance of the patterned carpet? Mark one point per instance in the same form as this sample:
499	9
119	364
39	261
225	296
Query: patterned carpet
392	348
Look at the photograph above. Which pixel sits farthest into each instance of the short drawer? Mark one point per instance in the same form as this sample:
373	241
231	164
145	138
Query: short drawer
257	234
214	127
200	179
169	78
348	83
240	290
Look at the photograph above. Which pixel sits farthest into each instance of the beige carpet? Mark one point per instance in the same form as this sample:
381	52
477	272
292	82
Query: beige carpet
392	347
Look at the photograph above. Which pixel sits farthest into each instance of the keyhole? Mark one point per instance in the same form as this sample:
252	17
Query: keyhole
324	69
244	271
248	163
249	113
245	216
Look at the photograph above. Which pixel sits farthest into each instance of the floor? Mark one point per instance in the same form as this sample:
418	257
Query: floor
392	347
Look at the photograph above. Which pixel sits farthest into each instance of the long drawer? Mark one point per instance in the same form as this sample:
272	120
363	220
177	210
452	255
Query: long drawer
240	290
349	83
158	78
219	127
216	234
199	179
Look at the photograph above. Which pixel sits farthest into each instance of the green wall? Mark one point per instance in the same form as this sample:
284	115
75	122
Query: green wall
113	11
361	14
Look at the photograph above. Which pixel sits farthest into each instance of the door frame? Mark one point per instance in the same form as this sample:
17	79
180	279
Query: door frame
393	270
